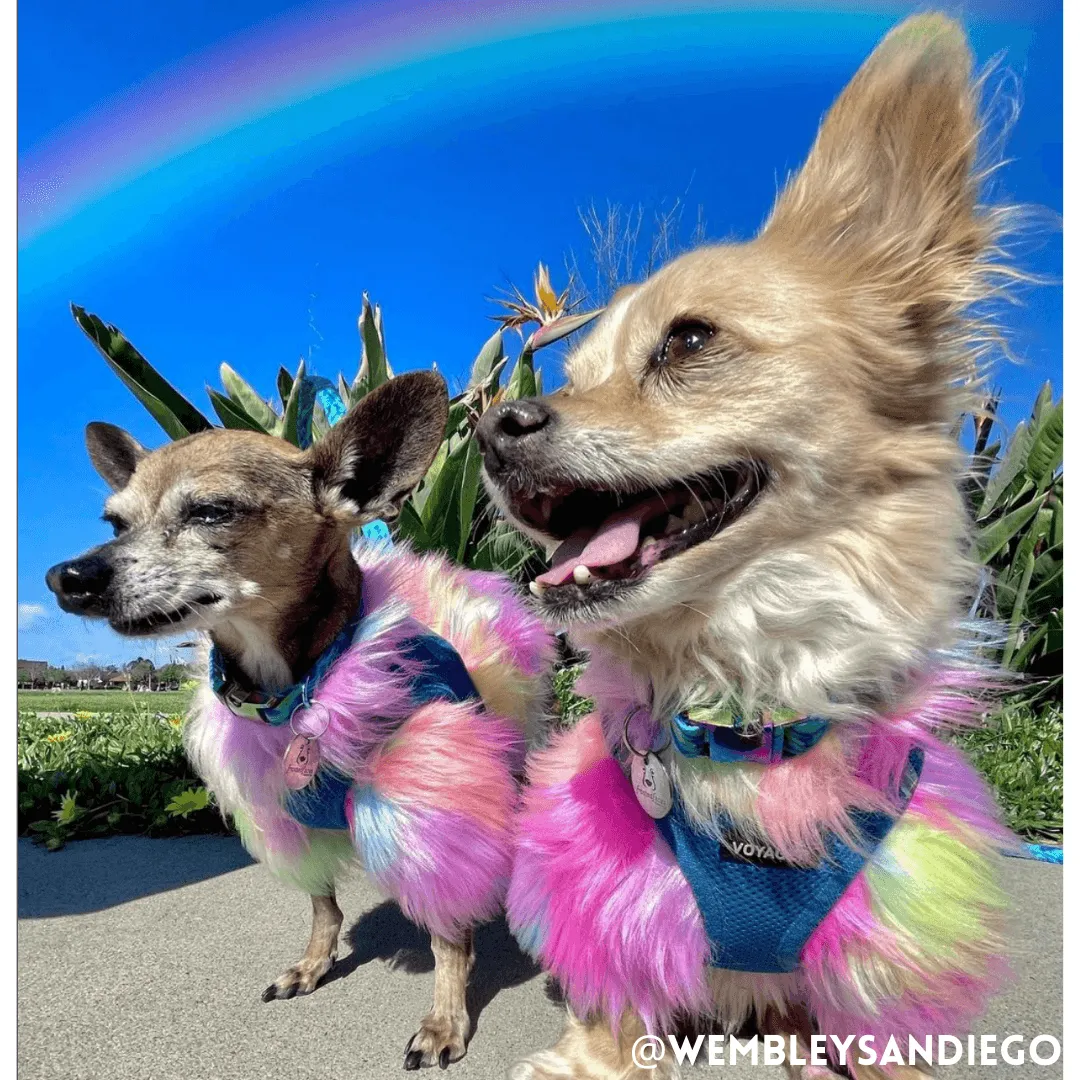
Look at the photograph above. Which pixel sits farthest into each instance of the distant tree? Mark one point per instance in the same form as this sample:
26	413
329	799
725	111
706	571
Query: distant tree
58	677
89	675
170	676
140	672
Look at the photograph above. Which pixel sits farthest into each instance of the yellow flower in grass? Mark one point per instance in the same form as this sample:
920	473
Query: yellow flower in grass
59	736
83	715
176	721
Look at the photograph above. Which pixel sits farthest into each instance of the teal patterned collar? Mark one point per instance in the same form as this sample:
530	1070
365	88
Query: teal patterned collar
722	734
277	709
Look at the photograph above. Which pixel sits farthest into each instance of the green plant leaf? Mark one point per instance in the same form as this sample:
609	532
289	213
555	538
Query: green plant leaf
166	404
1018	609
521	383
410	527
292	408
374	367
442	522
319	423
247	397
990	540
1042	400
1023	655
491	353
284	385
470	490
187	802
69	809
1012	465
1047	446
231	414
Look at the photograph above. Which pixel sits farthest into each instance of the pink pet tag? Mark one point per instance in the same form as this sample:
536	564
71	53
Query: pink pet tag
648	775
302	755
652	785
301	762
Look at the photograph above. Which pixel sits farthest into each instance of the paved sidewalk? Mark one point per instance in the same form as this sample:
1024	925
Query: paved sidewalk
144	960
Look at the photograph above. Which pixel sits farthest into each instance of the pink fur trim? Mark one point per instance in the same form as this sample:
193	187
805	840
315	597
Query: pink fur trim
597	895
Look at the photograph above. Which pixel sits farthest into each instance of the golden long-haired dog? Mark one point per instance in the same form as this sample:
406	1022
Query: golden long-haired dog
749	488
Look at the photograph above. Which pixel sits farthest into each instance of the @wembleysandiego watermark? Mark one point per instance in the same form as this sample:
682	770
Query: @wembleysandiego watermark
650	1050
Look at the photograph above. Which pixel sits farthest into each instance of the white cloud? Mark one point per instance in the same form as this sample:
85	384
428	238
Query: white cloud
30	615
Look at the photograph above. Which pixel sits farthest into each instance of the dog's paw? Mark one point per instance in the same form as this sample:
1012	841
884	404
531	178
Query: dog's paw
301	978
440	1041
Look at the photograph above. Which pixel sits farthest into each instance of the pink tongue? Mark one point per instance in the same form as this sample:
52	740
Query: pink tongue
615	540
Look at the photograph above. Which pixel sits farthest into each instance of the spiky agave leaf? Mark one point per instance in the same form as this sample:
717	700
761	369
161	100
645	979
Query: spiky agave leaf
161	399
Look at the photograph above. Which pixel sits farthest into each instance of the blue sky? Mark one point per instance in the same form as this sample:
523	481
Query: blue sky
456	197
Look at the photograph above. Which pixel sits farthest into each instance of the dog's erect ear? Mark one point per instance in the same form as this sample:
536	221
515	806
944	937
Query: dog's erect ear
370	461
113	452
888	190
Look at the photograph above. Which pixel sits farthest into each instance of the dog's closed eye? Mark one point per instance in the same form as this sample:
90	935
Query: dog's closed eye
119	525
216	512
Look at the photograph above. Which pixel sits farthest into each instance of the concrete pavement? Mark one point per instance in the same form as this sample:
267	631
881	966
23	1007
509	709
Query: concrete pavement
144	960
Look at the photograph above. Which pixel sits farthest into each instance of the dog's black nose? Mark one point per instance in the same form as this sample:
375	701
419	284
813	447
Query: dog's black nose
80	579
512	427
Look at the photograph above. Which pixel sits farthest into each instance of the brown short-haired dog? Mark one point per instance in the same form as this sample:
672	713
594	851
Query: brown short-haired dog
362	706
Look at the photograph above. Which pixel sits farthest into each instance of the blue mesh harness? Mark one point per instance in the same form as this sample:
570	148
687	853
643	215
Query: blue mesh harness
441	675
758	909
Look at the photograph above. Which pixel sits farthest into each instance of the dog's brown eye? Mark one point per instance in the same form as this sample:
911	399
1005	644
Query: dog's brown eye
684	339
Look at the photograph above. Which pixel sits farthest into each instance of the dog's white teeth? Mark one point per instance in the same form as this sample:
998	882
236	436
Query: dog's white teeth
674	525
550	547
694	514
546	503
582	575
536	588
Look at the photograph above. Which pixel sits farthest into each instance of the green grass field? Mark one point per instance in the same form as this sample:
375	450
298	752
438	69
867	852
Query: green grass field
99	701
117	764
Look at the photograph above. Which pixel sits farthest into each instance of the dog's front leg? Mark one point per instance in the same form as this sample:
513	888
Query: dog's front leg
304	975
444	1031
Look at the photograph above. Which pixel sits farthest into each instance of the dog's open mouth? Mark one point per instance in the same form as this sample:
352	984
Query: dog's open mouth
607	540
157	621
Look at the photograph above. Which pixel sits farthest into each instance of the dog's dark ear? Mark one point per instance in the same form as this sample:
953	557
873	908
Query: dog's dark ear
113	452
369	462
888	196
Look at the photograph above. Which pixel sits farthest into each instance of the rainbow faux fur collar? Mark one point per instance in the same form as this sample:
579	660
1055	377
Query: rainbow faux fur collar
599	897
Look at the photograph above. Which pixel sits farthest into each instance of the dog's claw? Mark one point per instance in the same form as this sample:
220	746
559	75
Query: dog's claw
301	978
440	1041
